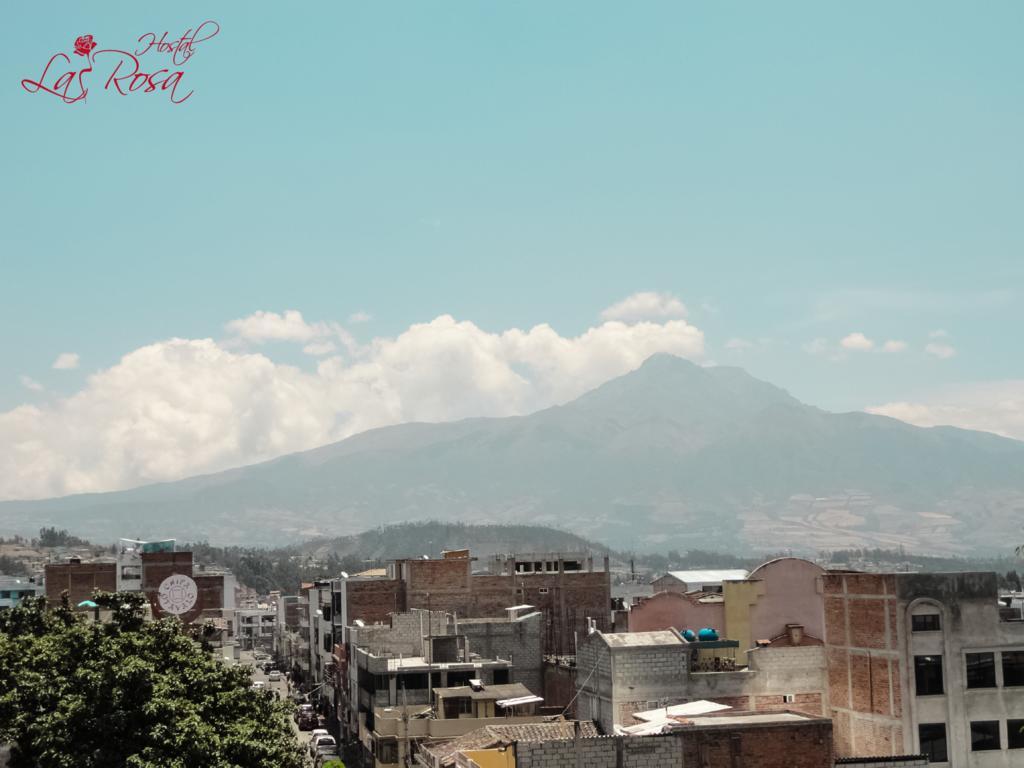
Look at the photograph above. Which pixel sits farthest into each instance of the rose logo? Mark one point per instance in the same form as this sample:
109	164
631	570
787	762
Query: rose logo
84	45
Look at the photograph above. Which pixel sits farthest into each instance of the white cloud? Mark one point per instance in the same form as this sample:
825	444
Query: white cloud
646	305
857	341
66	361
360	317
29	383
938	334
270	326
992	407
319	348
894	345
186	406
939	350
738	344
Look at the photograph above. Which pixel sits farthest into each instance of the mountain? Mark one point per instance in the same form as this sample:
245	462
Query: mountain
669	455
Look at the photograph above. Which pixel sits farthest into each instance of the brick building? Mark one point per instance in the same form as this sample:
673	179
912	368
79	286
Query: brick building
201	594
566	589
726	740
924	663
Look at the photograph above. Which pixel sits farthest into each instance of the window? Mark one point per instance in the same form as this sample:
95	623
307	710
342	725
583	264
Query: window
928	675
981	670
387	750
933	741
984	735
928	623
500	676
1013	667
5	595
1015	734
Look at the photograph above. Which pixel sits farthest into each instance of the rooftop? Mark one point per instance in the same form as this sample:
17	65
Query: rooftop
641	639
693	577
488	692
496	735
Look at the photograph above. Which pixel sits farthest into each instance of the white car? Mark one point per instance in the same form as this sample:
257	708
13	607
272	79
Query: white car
322	742
274	675
258	685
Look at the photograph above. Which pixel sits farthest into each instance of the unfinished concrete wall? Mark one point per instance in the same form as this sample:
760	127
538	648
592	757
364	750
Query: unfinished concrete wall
518	641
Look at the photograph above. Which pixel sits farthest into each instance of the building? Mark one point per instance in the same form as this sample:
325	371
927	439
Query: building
924	663
618	675
448	668
14	589
565	587
719	740
255	627
172	583
697	581
781	592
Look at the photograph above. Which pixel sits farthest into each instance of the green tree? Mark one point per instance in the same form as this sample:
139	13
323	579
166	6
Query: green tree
129	693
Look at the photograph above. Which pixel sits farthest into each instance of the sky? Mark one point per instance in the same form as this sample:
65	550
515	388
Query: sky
369	213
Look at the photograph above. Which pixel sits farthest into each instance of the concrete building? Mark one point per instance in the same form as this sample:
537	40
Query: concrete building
697	581
14	589
405	662
255	628
924	663
621	674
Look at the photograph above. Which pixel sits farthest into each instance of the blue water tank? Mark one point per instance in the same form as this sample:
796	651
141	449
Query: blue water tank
707	634
689	635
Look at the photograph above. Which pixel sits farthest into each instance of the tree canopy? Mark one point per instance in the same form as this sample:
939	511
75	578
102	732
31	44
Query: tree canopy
129	693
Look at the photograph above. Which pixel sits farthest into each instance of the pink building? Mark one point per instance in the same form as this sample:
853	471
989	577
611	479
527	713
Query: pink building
792	595
668	610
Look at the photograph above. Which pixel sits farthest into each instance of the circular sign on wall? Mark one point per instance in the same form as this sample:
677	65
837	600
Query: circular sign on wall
178	594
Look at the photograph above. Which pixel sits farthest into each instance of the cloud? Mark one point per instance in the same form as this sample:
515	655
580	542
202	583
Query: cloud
894	346
738	344
939	350
857	341
66	361
938	334
270	326
360	317
181	407
320	348
646	305
30	383
992	407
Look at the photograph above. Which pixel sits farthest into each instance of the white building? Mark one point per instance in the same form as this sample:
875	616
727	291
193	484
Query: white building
697	581
14	589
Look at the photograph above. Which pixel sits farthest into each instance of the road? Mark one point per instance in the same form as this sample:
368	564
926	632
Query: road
281	688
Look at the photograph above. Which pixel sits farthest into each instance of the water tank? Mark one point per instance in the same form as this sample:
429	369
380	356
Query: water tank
689	635
707	634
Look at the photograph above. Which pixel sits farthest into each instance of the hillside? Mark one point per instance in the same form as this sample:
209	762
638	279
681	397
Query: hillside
669	455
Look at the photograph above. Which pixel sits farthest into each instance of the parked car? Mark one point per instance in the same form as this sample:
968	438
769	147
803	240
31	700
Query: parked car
303	709
322	741
274	676
316	733
258	685
308	721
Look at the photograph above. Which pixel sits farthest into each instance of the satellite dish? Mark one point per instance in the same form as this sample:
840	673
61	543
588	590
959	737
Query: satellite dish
177	594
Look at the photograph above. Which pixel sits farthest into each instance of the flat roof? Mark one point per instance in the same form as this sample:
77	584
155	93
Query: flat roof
488	692
641	639
729	574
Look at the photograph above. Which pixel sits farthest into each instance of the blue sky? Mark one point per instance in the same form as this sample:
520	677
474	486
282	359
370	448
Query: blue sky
793	172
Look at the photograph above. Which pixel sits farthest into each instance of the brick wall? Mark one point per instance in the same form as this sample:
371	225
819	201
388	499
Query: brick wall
862	658
518	641
80	580
803	745
789	745
373	600
560	687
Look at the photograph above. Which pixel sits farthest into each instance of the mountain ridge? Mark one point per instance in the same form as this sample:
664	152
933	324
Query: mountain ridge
671	453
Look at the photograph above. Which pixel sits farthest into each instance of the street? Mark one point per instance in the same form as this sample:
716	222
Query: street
281	688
